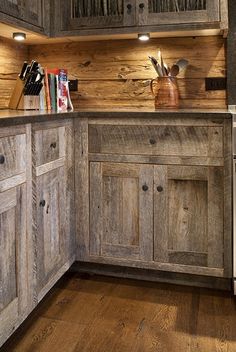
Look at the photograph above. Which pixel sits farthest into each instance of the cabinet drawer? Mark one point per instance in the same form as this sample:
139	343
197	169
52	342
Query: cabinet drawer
12	154
156	140
50	144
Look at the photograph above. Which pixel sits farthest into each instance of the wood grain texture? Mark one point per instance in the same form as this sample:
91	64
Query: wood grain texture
93	313
156	140
12	56
117	73
121	221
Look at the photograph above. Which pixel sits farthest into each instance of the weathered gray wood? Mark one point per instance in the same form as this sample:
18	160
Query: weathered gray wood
54	239
87	21
153	159
156	140
82	188
121	211
228	208
191	202
231	47
13	260
13	149
152	275
96	209
32	15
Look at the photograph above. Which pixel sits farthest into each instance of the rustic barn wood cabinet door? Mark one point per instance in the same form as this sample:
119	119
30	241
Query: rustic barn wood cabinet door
54	237
30	14
12	8
13	259
121	211
155	12
16	299
78	14
33	12
188	219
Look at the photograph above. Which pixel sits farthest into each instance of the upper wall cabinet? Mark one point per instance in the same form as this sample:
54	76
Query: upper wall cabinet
77	17
29	14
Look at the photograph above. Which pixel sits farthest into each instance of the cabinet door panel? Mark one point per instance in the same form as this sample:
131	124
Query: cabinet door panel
33	11
177	12
121	211
13	259
78	15
190	199
51	219
12	7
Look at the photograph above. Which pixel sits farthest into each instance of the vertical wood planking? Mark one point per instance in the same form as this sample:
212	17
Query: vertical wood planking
81	187
96	215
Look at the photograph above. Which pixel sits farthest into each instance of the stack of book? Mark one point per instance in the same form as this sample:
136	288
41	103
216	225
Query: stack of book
55	95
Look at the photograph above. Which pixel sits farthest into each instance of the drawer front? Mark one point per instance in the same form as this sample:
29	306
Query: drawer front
50	144
156	140
12	155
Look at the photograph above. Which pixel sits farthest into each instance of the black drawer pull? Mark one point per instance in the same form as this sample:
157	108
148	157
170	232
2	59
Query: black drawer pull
53	145
159	188
152	141
145	188
129	7
141	6
42	203
2	159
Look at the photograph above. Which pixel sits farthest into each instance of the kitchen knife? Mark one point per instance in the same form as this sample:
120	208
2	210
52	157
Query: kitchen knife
24	67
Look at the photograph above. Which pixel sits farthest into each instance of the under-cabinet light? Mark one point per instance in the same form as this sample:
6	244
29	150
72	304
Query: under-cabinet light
144	36
19	36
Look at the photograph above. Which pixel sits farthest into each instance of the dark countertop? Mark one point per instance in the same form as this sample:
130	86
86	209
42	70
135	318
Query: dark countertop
18	116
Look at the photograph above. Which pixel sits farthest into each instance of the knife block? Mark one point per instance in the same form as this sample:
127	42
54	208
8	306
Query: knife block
19	101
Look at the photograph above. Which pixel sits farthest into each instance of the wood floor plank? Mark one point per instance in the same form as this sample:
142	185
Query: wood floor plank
99	314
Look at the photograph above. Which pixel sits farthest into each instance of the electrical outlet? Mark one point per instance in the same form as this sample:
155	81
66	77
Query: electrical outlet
215	83
73	85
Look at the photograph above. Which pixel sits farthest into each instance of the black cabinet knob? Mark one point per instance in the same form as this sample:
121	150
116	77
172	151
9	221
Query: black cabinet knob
141	6
159	188
129	7
152	141
42	203
145	188
2	159
53	145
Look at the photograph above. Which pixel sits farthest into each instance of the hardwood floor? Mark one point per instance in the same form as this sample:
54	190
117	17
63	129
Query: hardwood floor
99	314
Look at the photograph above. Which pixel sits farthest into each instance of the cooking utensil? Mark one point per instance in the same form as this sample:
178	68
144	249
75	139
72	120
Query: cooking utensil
156	66
174	71
182	63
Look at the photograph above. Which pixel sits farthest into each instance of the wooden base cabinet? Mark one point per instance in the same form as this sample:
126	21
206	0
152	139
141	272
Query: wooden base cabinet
165	217
54	239
15	232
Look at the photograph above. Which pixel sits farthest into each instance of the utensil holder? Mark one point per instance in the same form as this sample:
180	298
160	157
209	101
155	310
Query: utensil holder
19	101
166	92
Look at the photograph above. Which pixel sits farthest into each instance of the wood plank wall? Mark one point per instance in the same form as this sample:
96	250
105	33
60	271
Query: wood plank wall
12	56
114	74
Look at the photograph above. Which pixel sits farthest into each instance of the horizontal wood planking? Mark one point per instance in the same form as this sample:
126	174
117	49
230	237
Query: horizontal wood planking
117	73
12	56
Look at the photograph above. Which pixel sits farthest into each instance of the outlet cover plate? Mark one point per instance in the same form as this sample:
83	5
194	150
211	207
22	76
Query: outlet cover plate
215	83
